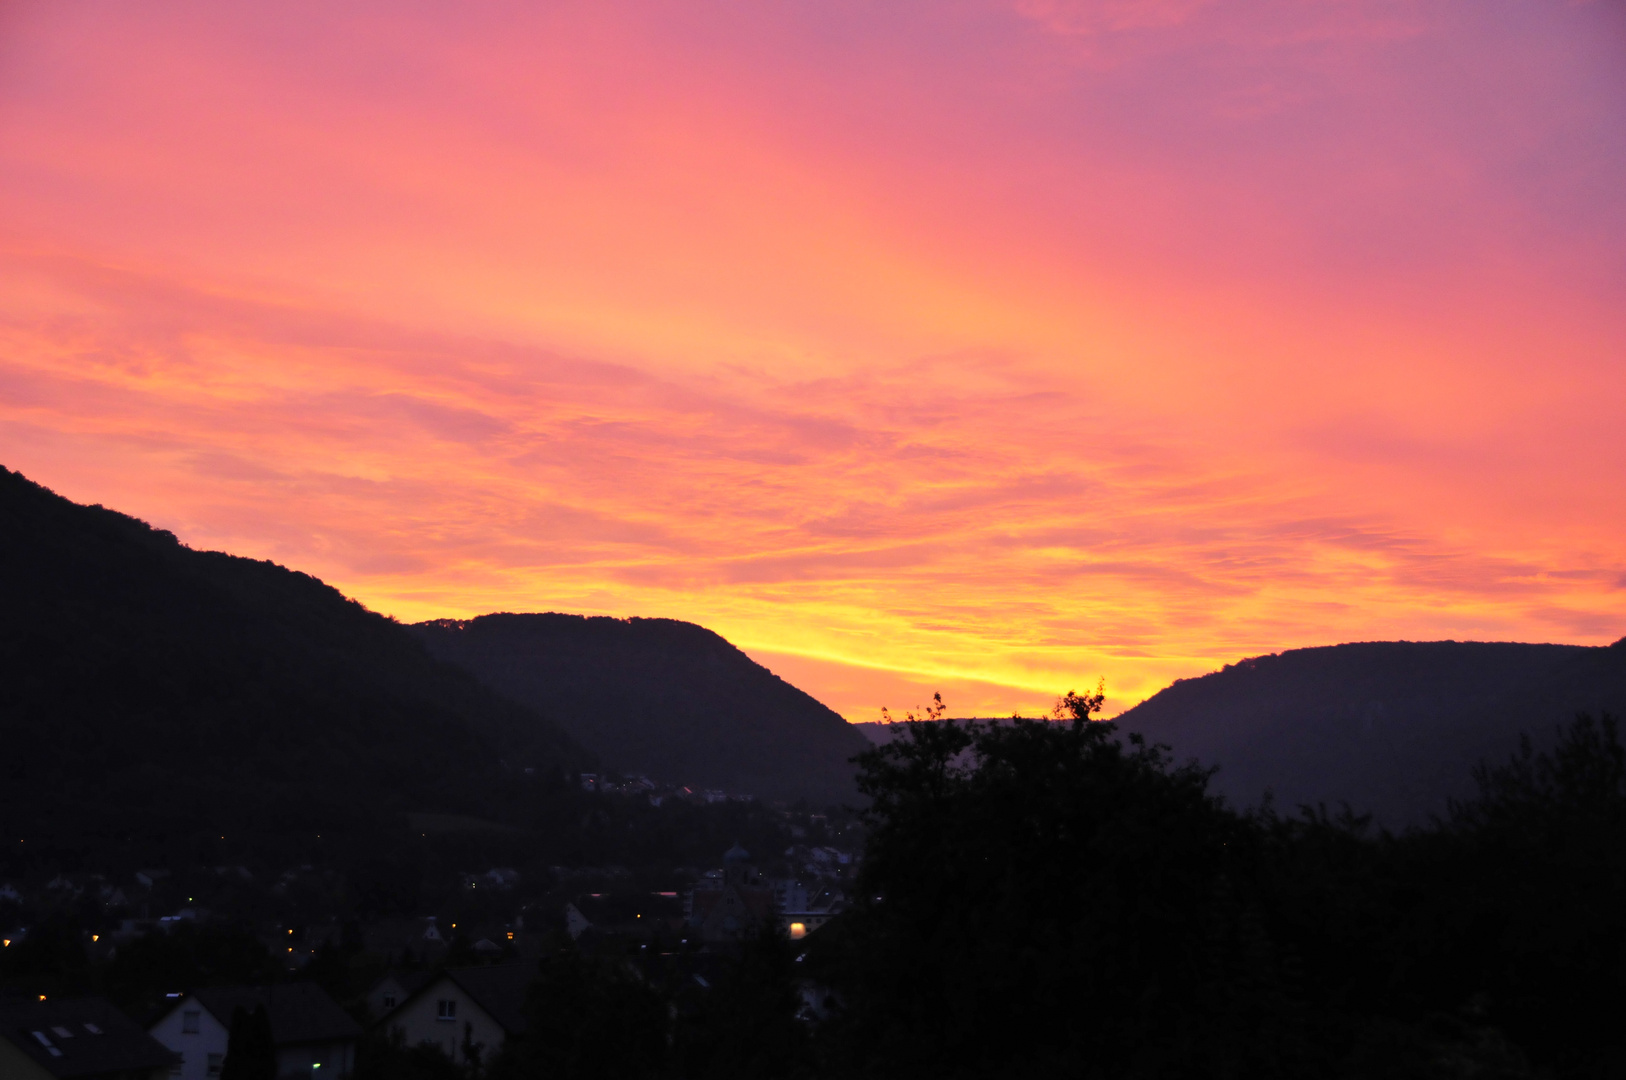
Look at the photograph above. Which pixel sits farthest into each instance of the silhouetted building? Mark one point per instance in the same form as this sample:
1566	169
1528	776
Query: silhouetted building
313	1036
82	1038
460	1009
390	992
727	906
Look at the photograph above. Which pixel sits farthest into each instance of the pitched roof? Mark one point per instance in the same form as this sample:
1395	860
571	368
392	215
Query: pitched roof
410	982
499	989
300	1012
89	1035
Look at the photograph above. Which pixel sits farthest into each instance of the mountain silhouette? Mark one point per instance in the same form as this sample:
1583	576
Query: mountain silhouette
657	696
154	692
1393	728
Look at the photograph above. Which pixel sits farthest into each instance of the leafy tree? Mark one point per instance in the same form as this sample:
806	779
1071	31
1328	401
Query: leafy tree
473	1053
588	1016
1039	898
250	1052
746	1025
1537	865
386	1057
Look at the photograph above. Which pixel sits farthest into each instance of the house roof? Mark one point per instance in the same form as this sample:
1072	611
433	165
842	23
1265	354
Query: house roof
300	1012
90	1037
409	982
499	989
749	902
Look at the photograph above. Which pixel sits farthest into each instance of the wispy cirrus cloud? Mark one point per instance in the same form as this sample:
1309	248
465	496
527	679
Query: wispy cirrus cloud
900	346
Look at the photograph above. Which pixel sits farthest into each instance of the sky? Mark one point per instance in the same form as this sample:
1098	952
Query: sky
989	348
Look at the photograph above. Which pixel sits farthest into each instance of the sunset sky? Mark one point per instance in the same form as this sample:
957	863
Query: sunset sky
985	347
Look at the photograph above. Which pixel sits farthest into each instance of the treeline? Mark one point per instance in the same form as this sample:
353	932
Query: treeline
1044	899
1050	899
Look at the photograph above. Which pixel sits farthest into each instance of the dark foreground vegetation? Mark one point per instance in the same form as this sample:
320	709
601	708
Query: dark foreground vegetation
1047	899
1044	899
1041	899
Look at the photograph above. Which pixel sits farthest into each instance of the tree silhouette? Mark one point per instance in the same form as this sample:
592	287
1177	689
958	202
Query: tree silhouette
250	1052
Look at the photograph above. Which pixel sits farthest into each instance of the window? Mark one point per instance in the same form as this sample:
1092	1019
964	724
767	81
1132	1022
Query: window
180	1061
445	1010
215	1061
389	1001
62	1033
189	1022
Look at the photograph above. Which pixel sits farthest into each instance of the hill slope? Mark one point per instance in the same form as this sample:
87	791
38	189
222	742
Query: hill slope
1394	727
153	691
662	697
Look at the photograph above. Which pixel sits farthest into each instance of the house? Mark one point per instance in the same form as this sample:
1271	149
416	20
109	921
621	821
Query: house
393	989
313	1036
803	910
463	1009
576	924
724	907
83	1038
730	912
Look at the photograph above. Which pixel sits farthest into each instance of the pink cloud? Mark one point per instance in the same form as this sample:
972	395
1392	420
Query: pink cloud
1009	345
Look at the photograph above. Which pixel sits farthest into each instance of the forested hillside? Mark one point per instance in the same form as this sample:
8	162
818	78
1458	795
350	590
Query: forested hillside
152	696
1391	727
662	697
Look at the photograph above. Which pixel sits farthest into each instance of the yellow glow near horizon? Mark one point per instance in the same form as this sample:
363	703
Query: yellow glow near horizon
994	351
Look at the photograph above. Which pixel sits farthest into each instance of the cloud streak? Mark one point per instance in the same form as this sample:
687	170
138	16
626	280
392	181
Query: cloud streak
920	343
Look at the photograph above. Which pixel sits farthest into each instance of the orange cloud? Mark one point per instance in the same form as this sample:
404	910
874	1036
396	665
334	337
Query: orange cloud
902	349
